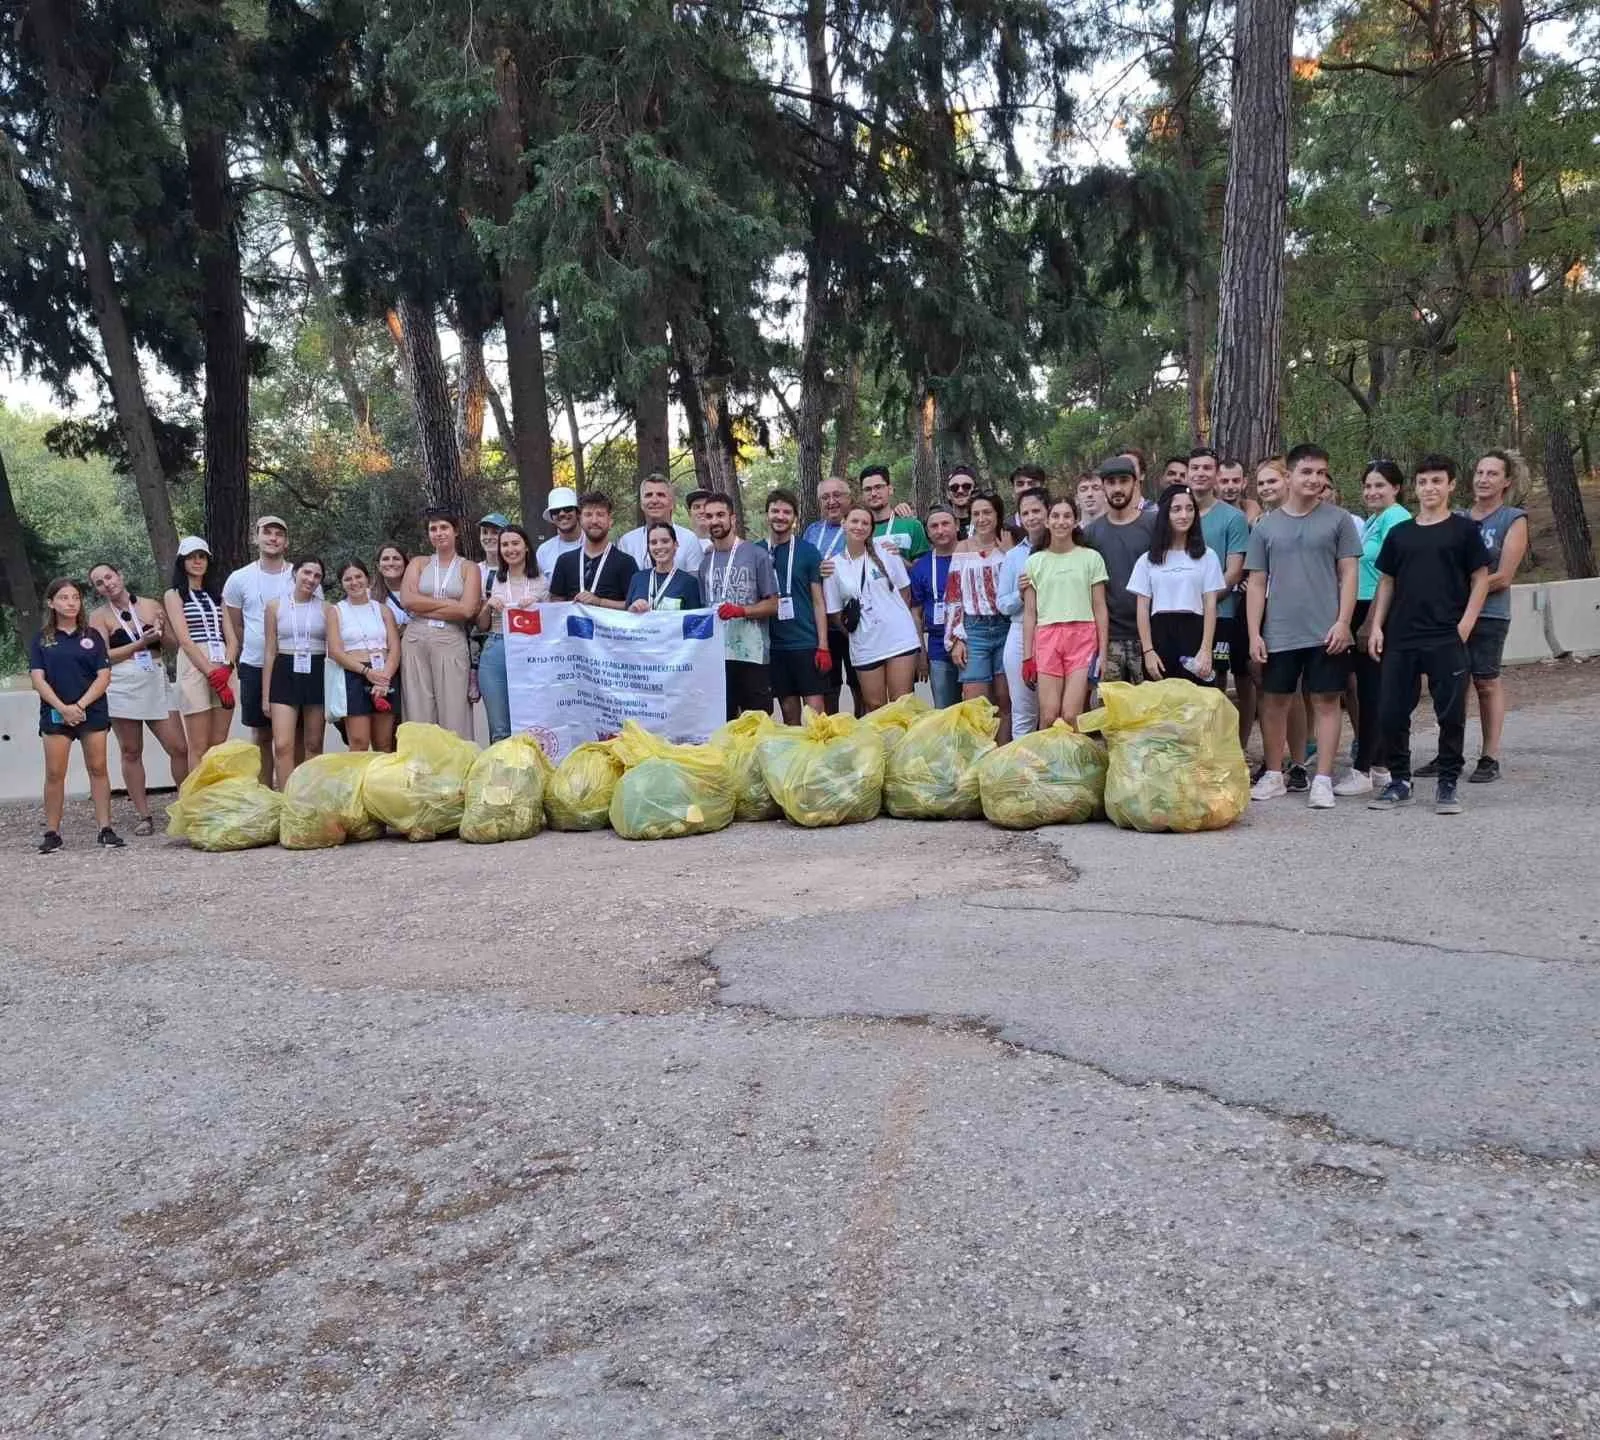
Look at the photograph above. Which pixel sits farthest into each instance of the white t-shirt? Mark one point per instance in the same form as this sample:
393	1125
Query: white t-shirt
551	550
1179	583
887	627
249	590
691	548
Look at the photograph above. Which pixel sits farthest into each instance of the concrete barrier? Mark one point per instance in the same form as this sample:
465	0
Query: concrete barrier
1573	616
1526	641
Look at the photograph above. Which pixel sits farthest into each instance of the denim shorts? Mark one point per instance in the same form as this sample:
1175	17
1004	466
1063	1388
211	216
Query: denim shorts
986	644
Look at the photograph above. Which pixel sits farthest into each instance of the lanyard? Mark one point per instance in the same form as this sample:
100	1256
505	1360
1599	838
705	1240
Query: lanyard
372	645
131	624
302	640
516	600
600	565
208	613
933	569
836	544
441	580
727	576
788	579
659	593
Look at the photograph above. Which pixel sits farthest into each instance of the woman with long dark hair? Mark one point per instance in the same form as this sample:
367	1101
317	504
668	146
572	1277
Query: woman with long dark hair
443	595
208	647
364	646
71	673
1178	582
1065	620
871	593
662	586
294	686
1381	489
514	584
975	626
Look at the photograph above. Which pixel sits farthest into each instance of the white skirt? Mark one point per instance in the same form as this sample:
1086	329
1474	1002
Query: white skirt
137	693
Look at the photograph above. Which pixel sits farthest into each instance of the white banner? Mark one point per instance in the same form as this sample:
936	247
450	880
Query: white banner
576	672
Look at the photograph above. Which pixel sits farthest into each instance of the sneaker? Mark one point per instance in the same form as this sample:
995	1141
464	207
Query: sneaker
1487	772
109	839
1444	798
146	825
1357	782
1299	780
1269	787
51	841
1395	794
1321	797
1380	776
1428	771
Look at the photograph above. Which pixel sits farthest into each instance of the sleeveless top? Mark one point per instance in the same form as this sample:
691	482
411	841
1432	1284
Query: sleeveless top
302	627
1493	528
442	582
203	616
361	628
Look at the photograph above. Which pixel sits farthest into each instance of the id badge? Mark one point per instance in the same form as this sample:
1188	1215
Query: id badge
437	624
144	660
217	651
786	607
938	612
302	664
375	660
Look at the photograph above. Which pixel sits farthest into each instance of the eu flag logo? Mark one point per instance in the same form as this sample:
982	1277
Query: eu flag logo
580	627
699	625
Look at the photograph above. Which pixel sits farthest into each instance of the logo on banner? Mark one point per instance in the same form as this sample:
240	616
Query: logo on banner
524	622
699	626
580	627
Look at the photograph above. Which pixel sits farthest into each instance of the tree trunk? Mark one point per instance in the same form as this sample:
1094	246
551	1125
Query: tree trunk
1566	504
226	415
22	592
340	351
1180	105
650	407
816	327
1245	397
472	395
925	467
844	425
502	423
530	405
69	102
430	405
571	407
1508	100
704	399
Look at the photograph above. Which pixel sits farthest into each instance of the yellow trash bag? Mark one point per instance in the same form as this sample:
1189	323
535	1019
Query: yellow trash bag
322	803
891	721
578	795
826	771
1051	777
1175	760
505	792
929	774
420	789
738	739
669	790
222	804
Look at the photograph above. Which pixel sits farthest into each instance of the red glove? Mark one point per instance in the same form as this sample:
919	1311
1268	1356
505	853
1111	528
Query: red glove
729	611
381	704
824	661
1030	672
218	680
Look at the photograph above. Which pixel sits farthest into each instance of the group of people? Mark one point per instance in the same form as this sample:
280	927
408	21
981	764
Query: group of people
1030	603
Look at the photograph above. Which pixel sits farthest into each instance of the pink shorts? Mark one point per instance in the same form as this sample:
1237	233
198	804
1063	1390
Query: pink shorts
1065	648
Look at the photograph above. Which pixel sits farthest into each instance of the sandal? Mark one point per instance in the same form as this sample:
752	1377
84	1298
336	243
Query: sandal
146	825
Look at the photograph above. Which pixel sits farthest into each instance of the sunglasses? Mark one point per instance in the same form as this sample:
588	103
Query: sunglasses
565	510
961	489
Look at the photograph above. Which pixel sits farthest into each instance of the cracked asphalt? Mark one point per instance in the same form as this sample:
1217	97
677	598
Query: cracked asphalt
899	1130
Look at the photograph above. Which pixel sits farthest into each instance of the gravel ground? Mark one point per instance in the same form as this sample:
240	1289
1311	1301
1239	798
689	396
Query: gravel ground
893	1131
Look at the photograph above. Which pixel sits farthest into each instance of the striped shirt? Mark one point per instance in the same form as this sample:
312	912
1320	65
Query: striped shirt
203	616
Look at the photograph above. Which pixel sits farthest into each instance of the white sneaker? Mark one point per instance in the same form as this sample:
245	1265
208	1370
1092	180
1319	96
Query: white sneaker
1380	778
1357	782
1270	786
1321	797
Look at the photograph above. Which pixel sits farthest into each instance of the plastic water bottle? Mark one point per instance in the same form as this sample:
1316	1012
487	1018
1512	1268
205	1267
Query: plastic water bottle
1190	664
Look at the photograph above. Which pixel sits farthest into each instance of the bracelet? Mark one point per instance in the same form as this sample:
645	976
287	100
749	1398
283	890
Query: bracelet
1149	650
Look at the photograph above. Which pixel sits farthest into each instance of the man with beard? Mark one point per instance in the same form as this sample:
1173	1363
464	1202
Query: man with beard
596	572
562	512
1121	536
959	486
901	533
737	579
801	660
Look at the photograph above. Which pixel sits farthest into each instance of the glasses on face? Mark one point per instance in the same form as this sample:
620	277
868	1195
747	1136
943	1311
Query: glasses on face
565	510
961	489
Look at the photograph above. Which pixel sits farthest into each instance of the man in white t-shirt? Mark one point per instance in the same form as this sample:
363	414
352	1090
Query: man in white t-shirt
562	512
246	594
656	500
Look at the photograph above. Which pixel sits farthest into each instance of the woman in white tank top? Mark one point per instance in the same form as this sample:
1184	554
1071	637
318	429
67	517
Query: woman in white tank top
292	676
364	657
443	594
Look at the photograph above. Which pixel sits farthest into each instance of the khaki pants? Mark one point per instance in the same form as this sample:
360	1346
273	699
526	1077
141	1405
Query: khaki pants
434	672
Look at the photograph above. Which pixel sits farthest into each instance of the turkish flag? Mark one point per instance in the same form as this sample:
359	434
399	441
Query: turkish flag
523	622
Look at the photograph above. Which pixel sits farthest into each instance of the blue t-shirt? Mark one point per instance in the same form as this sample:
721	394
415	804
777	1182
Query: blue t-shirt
927	590
681	592
828	539
1493	529
800	633
1226	533
70	666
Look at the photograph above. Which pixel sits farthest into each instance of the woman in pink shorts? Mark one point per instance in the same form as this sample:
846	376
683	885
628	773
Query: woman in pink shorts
1064	617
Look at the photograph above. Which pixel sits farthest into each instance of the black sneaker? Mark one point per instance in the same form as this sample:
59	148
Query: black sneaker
1487	772
1395	794
1298	780
1444	799
1428	771
109	839
51	841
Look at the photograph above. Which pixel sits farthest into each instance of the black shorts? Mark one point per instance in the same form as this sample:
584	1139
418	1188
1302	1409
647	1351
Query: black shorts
1230	649
358	696
303	692
1322	673
794	672
879	664
251	715
749	688
839	647
95	719
1486	645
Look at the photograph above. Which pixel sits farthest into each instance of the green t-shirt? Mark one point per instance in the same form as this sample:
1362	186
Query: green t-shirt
1373	531
1063	584
905	534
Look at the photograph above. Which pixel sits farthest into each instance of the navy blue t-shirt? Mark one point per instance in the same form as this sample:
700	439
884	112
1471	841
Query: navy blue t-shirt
681	592
927	595
70	665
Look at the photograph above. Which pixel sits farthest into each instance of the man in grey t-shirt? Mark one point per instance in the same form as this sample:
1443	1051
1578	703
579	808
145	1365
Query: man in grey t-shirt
1121	536
1302	562
738	581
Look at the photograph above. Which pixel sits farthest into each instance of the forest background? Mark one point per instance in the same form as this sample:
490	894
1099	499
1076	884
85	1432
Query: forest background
337	259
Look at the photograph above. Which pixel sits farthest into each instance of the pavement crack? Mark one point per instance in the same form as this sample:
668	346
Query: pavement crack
1003	903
